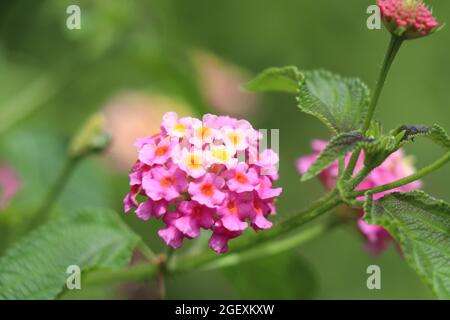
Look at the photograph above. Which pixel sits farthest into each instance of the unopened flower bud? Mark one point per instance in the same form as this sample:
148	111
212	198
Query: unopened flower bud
91	138
408	19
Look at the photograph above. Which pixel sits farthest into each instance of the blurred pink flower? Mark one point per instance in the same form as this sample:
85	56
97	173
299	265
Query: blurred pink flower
395	167
193	184
220	85
10	184
131	115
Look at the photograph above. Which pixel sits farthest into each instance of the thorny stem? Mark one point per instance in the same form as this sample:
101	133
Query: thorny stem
393	48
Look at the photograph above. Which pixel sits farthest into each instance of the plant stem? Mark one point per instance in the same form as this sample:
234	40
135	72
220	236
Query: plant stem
189	263
393	48
272	248
161	282
360	176
341	166
55	191
325	204
416	176
163	270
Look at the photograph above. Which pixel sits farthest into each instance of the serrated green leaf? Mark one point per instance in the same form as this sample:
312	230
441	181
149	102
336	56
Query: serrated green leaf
436	133
338	146
421	225
284	79
35	267
341	103
439	136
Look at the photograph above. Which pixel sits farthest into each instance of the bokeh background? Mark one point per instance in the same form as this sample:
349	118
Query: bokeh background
135	60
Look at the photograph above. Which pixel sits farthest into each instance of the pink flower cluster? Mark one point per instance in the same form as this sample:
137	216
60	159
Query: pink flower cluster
408	18
207	174
395	167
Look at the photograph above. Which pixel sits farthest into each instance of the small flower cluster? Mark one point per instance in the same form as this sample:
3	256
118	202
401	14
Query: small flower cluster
205	174
407	18
395	167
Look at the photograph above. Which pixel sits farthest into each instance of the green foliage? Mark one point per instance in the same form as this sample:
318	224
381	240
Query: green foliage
436	133
339	146
38	158
35	267
341	103
282	276
284	79
382	146
421	225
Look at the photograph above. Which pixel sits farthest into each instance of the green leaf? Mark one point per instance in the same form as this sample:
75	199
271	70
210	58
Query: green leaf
436	133
421	225
35	267
439	136
282	276
285	79
339	146
341	103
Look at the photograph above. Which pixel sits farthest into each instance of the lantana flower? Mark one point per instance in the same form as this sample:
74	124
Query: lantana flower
408	19
395	167
204	174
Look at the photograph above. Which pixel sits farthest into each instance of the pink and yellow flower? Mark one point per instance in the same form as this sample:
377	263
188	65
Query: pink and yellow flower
192	176
164	183
207	190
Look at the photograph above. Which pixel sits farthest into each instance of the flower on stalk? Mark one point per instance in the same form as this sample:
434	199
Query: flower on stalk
203	174
408	19
395	167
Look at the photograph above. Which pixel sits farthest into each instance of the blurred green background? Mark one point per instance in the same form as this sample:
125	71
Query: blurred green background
157	53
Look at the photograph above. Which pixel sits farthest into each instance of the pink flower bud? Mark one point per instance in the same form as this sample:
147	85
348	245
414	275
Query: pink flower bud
408	19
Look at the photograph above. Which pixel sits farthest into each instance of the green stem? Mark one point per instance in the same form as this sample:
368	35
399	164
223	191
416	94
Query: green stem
393	48
325	204
360	176
272	248
55	191
164	268
399	183
188	263
341	164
